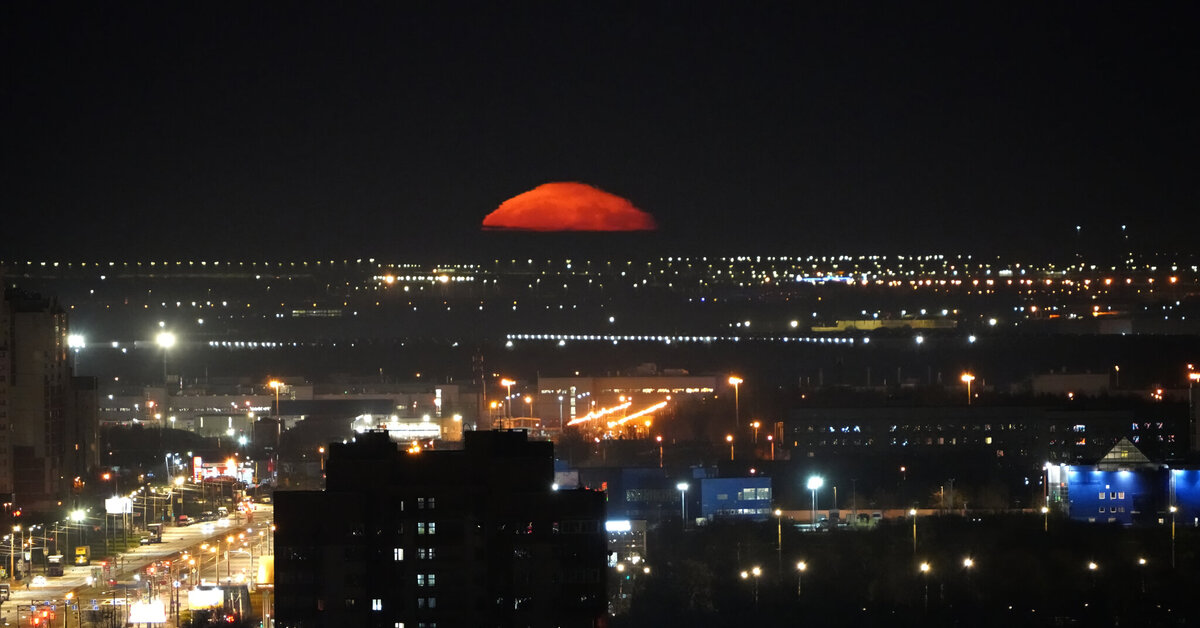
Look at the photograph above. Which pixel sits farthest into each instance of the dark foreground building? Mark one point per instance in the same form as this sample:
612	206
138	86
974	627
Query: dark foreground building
473	537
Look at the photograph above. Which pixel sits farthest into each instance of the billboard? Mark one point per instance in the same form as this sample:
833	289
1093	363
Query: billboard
118	506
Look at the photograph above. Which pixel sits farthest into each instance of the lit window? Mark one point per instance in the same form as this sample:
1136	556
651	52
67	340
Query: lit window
398	553
376	604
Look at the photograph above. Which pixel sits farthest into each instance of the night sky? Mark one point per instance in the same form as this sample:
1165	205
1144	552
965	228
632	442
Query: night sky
281	130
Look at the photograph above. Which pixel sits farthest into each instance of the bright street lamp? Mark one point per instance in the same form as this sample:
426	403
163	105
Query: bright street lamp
682	487
801	567
814	484
276	384
508	384
912	512
1173	510
736	381
754	572
729	439
925	576
166	340
967	378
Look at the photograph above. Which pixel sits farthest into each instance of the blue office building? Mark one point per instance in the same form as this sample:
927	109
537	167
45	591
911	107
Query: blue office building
742	498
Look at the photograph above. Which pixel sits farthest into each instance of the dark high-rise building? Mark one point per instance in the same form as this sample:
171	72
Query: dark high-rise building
47	417
419	538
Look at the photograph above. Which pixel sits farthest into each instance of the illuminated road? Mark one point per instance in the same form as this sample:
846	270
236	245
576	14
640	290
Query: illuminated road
176	541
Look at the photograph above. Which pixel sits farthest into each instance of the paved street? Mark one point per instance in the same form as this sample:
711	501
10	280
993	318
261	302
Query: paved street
176	540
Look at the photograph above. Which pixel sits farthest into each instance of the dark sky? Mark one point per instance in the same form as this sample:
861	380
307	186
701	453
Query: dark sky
266	130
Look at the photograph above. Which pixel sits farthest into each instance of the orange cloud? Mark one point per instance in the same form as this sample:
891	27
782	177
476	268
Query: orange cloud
568	207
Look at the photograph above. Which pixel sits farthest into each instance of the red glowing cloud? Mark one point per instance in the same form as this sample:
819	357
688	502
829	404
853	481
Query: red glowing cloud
568	207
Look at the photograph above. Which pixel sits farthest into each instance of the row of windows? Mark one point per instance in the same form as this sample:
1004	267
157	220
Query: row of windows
423	553
748	494
1113	495
377	605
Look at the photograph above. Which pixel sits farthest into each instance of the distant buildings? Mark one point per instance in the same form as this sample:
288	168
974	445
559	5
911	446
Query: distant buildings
1028	434
470	537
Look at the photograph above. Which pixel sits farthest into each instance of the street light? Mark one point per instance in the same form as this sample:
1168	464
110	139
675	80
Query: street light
736	382
508	384
912	512
660	450
682	487
529	404
967	378
814	484
1142	570
166	340
755	425
754	572
1045	519
729	439
276	384
925	576
12	550
1173	510
779	537
801	567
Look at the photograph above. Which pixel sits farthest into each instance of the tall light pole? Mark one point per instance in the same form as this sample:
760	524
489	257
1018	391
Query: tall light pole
660	451
736	382
12	550
1173	510
912	512
560	415
165	340
801	567
779	539
967	378
729	439
508	384
276	384
814	484
682	487
755	425
529	405
754	572
925	577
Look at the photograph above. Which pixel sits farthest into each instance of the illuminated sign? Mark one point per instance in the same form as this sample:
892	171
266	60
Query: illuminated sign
618	525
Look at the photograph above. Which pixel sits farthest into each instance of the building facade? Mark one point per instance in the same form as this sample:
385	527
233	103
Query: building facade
49	440
470	537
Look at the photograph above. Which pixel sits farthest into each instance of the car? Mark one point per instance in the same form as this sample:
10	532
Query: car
208	515
38	581
184	520
145	540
